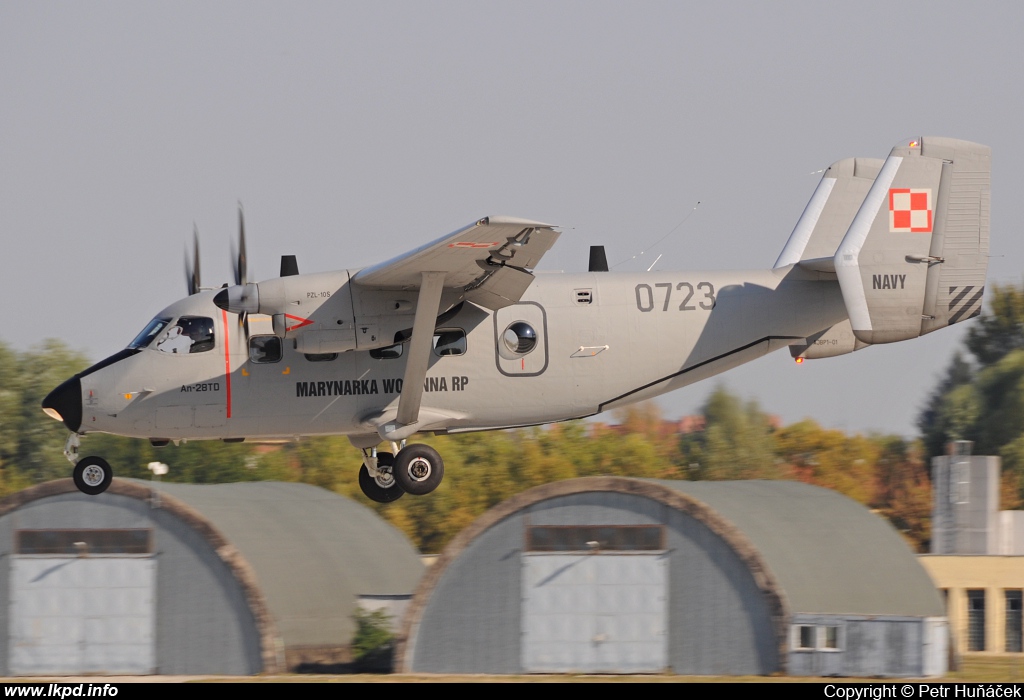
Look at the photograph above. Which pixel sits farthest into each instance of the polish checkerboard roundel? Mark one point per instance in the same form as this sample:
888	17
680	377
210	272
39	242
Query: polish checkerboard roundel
910	211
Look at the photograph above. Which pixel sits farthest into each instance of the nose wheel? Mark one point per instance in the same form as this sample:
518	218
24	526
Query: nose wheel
92	475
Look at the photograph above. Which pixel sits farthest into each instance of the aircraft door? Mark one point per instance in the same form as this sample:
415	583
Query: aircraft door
521	340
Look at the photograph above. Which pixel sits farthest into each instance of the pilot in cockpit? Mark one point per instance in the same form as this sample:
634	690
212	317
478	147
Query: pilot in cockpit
176	341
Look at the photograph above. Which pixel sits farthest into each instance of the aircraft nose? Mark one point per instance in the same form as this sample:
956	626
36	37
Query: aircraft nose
65	403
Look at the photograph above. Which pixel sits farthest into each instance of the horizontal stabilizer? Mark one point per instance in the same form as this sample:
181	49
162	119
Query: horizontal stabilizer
830	212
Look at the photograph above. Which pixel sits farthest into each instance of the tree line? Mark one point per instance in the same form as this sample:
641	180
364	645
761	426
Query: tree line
980	397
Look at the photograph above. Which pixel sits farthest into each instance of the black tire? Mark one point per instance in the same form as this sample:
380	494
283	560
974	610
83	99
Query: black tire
419	469
374	489
92	475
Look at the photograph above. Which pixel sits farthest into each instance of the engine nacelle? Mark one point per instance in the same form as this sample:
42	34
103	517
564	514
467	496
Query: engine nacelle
326	312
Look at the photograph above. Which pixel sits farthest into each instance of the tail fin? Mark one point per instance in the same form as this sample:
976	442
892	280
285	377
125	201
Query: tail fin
915	257
828	215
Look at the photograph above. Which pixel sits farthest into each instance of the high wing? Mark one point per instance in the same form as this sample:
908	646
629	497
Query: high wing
489	261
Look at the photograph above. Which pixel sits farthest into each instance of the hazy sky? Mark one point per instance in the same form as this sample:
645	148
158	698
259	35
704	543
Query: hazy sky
355	131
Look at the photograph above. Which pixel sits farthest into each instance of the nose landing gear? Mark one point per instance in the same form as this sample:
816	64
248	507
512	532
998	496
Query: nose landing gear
92	475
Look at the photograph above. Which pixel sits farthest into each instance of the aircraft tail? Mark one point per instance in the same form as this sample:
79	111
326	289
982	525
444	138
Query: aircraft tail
916	254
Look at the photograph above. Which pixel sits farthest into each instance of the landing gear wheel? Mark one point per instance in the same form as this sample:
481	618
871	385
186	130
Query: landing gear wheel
382	488
92	475
419	469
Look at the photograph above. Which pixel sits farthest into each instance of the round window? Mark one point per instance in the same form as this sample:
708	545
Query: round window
518	339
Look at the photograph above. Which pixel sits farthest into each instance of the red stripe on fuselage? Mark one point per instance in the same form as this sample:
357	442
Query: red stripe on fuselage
227	360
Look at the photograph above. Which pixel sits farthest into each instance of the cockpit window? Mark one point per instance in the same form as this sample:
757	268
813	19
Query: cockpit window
143	339
191	334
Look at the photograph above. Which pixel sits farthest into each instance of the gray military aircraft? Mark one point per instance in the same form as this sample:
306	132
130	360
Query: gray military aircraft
459	335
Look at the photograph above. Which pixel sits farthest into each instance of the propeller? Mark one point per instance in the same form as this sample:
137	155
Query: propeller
192	267
241	269
241	263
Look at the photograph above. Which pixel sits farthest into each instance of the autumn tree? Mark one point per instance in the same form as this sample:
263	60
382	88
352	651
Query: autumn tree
829	458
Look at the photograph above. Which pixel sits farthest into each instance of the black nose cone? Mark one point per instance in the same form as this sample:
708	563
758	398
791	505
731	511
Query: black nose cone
66	402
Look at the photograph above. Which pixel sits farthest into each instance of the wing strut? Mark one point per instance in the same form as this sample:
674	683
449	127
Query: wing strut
419	348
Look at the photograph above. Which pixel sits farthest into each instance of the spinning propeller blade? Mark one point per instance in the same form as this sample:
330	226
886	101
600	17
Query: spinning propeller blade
242	269
192	279
241	262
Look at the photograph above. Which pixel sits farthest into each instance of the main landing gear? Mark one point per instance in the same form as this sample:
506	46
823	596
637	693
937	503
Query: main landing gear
384	477
92	475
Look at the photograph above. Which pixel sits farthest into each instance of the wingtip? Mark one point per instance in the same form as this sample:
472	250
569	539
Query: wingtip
512	220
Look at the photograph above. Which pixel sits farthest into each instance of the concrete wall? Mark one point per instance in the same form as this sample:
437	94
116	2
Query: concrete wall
957	575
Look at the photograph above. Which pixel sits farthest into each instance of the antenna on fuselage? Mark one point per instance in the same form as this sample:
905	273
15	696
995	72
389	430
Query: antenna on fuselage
658	242
289	266
598	259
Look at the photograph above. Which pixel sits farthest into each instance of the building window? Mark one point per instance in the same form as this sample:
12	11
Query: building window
816	637
976	620
84	542
607	538
1013	620
805	637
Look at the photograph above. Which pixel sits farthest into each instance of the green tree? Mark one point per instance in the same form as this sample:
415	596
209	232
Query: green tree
736	442
32	444
1000	330
373	643
904	493
932	421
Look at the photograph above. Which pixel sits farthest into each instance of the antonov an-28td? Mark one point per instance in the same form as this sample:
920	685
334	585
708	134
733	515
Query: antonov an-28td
459	335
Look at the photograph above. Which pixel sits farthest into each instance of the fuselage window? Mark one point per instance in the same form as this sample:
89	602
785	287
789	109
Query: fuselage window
518	339
151	331
321	356
450	341
191	334
391	352
264	349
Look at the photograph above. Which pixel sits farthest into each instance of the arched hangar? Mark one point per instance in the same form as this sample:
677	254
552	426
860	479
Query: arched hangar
619	575
190	579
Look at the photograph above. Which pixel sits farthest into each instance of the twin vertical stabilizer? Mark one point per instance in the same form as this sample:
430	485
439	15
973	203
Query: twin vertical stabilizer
915	256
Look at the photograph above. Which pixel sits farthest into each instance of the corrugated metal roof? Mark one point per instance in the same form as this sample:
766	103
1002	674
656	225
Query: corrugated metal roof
313	551
829	553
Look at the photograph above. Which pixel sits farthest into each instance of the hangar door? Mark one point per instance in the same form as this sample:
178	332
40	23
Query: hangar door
82	602
596	611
